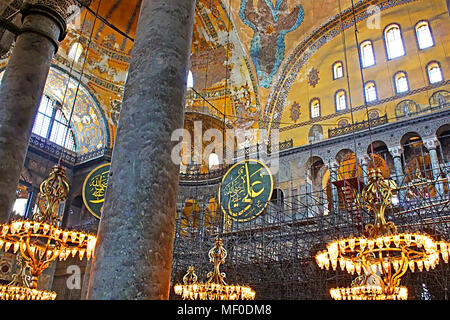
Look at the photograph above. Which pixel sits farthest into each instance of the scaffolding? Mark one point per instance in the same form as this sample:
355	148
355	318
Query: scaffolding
274	253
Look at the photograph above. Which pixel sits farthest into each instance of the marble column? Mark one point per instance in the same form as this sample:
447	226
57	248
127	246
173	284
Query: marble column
396	153
364	161
397	156
133	258
43	26
334	191
432	144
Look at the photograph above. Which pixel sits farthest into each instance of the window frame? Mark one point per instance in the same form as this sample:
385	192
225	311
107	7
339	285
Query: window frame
333	70
336	102
75	52
428	72
56	106
361	55
416	26
395	82
310	108
386	47
365	91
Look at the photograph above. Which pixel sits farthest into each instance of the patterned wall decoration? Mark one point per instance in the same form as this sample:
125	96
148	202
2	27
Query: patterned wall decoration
313	77
295	111
270	24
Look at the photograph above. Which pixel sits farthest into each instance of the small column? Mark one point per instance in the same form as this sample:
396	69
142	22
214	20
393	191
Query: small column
43	26
396	153
364	161
133	256
334	191
432	144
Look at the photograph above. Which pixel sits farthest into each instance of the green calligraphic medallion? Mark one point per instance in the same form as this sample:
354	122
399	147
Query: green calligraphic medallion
94	188
246	190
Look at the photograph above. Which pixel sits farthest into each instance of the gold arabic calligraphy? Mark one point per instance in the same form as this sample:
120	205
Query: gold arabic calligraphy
98	187
242	192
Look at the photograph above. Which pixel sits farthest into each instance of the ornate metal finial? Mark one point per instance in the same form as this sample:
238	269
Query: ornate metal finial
217	255
376	197
190	277
54	189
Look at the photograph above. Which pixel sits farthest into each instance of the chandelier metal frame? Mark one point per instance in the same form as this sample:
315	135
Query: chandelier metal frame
215	288
383	253
41	241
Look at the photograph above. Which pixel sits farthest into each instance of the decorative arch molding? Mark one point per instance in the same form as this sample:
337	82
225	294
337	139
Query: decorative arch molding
308	47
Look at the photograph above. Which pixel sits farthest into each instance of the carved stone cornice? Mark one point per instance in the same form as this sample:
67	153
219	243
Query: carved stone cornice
67	9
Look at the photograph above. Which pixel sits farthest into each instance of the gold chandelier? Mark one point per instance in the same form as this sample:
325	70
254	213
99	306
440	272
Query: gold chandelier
215	287
40	241
362	289
384	254
18	288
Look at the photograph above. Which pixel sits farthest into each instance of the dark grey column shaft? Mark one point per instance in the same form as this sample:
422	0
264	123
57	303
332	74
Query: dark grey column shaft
133	258
20	93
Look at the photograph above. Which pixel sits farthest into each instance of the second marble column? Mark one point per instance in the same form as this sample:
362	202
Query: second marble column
133	257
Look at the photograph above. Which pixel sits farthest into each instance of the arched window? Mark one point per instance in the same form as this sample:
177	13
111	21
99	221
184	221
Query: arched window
341	100
434	72
401	82
338	70
75	51
423	34
51	124
370	91
367	54
213	160
190	80
315	108
394	42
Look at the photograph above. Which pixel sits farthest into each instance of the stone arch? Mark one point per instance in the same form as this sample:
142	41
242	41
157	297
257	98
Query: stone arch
417	159
380	157
314	170
190	218
341	154
211	218
443	135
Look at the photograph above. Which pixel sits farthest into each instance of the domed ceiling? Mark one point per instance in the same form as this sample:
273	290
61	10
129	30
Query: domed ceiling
241	50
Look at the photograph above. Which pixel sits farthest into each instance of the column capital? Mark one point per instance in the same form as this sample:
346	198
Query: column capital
431	142
68	9
332	164
364	160
63	11
396	152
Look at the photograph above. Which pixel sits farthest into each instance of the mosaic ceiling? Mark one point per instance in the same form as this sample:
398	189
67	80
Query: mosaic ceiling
239	50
